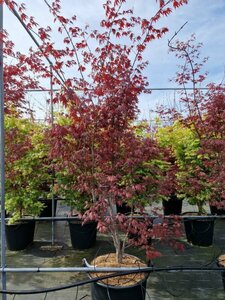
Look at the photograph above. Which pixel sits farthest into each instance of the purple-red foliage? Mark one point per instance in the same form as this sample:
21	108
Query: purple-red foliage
204	113
99	145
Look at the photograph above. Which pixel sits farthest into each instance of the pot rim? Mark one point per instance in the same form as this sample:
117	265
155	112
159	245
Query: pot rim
117	287
193	215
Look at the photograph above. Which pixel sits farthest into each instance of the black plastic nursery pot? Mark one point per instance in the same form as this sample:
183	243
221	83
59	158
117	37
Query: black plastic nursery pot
82	236
20	235
47	210
123	209
172	206
134	288
100	291
221	263
199	232
216	210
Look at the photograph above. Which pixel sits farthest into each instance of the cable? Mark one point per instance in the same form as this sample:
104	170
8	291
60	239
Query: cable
64	287
45	296
147	270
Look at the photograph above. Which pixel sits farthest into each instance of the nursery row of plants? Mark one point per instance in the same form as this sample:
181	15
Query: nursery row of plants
104	163
175	164
95	154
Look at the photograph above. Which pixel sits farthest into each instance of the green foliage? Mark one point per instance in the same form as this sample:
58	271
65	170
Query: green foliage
27	168
182	142
184	147
64	187
143	189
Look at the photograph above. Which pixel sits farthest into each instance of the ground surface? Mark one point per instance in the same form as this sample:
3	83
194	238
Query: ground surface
163	285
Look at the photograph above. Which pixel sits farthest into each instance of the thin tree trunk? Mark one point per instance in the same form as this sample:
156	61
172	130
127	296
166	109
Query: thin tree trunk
118	244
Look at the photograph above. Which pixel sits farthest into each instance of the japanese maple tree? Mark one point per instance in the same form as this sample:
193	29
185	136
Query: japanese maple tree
202	173
99	146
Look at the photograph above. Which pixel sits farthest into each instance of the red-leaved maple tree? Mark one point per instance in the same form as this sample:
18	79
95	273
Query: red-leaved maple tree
98	145
202	112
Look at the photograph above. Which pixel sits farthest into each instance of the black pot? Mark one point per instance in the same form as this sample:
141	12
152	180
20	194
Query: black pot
82	236
216	211
172	206
123	209
100	291
199	232
222	265
47	210
19	236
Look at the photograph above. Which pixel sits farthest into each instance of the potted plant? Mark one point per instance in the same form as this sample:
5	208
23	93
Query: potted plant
191	178
201	168
83	234
46	191
112	177
46	179
99	145
195	187
25	170
213	145
200	158
171	139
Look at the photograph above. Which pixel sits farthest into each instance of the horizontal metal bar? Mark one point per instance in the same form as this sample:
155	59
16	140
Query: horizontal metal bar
65	218
190	217
70	269
110	269
147	89
41	90
46	218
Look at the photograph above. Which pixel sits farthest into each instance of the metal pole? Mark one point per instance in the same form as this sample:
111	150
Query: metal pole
65	218
94	269
2	157
52	121
51	96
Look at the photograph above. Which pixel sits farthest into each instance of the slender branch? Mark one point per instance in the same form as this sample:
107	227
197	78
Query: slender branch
175	34
69	36
150	26
189	61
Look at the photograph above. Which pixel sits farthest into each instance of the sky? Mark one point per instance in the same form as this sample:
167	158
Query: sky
206	19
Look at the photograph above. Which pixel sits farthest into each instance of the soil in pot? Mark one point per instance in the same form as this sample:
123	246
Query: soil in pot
132	286
20	235
172	206
221	263
199	232
82	236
